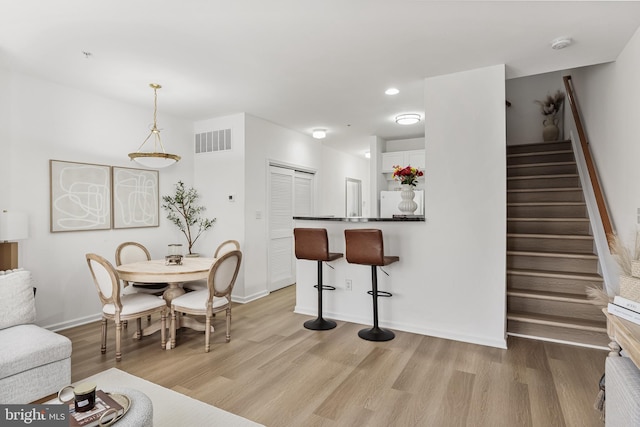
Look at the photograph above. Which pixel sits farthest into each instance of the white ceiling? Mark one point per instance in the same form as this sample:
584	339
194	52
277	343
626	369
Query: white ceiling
300	63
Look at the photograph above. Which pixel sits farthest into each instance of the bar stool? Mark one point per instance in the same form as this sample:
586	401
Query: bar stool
365	247
313	244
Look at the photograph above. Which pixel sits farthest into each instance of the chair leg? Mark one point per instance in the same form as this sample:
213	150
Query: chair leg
118	336
103	347
173	328
139	328
163	329
319	323
229	323
207	334
376	333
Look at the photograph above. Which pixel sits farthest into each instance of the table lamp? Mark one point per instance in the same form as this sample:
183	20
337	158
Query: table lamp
13	226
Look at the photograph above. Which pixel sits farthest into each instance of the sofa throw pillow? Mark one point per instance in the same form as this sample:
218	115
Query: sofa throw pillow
17	303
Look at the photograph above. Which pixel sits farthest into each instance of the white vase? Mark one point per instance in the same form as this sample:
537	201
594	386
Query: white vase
407	206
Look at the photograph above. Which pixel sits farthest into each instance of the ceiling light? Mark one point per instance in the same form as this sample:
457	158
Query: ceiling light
367	154
154	159
392	91
560	43
319	133
407	119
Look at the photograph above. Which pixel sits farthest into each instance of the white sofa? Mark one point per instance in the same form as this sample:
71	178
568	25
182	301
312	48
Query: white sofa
34	362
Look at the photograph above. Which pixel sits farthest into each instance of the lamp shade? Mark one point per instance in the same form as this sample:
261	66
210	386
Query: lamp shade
13	226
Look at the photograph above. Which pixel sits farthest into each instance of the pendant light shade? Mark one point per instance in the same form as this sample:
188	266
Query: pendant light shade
155	159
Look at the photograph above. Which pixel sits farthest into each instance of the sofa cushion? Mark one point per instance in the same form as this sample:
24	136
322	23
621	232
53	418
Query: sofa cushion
24	347
17	304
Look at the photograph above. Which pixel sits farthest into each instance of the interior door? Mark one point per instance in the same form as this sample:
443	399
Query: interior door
290	194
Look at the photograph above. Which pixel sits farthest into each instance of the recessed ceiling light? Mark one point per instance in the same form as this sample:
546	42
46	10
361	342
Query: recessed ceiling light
392	91
319	133
560	43
407	119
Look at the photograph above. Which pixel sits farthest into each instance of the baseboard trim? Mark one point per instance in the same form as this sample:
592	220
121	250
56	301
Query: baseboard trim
405	327
244	300
74	322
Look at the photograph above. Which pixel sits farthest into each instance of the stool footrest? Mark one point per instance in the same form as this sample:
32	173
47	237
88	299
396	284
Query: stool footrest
383	294
326	287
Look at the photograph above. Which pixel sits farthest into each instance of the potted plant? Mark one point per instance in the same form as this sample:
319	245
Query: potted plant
550	107
184	212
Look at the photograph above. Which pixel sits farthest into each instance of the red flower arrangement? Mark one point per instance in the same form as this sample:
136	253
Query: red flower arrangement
407	175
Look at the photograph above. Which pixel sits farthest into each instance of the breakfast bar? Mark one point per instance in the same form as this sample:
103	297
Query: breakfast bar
350	301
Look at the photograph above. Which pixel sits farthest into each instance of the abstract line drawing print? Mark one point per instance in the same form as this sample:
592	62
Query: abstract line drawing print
80	196
135	198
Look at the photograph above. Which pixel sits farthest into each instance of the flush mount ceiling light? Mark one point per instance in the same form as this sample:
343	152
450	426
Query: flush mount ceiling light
407	119
560	43
154	159
319	133
392	91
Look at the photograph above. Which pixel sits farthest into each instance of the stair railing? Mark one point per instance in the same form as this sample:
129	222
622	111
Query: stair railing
591	167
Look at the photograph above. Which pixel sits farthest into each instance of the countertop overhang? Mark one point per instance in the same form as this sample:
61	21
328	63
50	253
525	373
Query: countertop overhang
398	218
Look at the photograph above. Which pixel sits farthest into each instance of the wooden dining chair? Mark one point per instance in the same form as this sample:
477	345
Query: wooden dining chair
121	308
223	248
129	252
214	299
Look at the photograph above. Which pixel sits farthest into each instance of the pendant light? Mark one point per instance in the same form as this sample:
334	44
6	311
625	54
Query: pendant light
154	159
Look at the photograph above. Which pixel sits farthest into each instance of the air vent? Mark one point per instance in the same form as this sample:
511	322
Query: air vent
215	140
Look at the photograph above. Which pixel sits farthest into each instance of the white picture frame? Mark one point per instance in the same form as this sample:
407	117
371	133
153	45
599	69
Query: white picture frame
136	197
80	196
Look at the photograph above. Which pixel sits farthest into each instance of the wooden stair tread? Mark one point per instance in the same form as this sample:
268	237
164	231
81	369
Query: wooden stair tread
565	322
550	219
555	274
546	204
573	255
549	296
539	165
552	236
543	190
535	144
539	153
564	175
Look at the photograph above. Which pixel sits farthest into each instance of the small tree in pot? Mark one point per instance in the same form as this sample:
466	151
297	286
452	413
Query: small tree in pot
184	212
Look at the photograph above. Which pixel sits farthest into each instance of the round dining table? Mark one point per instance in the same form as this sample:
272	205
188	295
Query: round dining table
159	271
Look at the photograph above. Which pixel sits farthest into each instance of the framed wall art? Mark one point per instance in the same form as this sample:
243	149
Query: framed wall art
80	195
135	197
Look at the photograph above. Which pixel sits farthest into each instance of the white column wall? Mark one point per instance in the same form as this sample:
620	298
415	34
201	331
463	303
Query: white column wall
49	121
608	98
217	175
464	241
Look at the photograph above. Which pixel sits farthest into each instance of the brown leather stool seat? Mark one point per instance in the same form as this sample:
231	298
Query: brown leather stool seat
313	244
365	247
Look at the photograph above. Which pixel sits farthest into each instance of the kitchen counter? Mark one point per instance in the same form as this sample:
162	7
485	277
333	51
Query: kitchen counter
402	218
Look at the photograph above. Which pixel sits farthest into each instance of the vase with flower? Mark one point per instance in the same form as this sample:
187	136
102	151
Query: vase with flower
550	108
408	177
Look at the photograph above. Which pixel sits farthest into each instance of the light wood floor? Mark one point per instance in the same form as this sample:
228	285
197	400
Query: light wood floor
277	373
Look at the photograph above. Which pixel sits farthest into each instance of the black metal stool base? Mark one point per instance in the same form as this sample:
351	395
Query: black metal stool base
319	324
376	334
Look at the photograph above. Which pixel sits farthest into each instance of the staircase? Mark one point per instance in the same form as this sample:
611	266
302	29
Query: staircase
550	251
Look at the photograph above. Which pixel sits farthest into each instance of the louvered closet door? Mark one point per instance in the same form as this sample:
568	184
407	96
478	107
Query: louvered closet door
290	194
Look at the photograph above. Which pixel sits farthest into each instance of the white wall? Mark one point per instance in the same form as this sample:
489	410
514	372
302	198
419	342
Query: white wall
524	119
267	142
464	241
5	142
336	166
48	121
217	175
609	98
